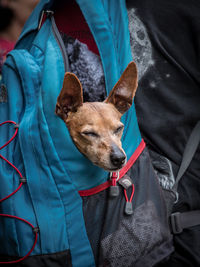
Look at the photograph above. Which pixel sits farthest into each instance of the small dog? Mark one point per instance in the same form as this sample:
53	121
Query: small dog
95	127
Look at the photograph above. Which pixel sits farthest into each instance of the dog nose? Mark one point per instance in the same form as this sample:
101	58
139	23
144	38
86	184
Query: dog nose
117	157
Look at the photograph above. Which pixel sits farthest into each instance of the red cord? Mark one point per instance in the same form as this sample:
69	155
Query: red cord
114	182
1	200
114	178
16	131
132	194
34	244
14	135
20	185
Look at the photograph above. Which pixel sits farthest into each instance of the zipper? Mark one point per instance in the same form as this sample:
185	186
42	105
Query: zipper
49	14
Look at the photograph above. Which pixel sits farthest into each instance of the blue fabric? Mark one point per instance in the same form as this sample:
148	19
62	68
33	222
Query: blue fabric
43	150
110	31
30	28
56	205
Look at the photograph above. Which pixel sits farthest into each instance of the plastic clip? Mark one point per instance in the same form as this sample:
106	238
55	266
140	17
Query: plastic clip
114	188
128	208
16	126
36	230
22	180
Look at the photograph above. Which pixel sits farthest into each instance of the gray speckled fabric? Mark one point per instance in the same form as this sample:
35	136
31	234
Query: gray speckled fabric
3	94
87	67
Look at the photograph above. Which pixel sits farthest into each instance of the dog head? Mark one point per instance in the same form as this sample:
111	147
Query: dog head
95	127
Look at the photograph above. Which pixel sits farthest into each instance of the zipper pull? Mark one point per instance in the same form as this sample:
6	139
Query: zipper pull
128	208
129	205
114	188
44	15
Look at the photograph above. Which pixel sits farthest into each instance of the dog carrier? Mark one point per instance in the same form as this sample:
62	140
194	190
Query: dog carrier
57	208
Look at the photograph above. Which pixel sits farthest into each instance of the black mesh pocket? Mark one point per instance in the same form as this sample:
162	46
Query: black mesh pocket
140	239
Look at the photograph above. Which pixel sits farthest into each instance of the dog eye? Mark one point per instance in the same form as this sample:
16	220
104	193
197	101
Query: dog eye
92	134
119	129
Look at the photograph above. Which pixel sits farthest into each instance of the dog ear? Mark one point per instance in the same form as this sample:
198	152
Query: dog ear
123	92
70	97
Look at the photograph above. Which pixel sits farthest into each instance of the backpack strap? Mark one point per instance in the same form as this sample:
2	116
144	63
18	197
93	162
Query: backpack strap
183	220
180	221
188	154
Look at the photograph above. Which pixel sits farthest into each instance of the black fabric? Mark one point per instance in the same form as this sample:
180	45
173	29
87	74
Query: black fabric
6	17
60	259
168	96
165	38
189	152
184	220
140	239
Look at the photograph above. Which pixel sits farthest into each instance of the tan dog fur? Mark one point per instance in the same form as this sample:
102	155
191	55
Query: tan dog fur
95	127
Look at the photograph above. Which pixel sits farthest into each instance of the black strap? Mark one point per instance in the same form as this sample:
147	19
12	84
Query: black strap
188	154
180	221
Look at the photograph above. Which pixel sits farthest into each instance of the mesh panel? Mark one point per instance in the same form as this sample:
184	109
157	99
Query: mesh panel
135	237
141	239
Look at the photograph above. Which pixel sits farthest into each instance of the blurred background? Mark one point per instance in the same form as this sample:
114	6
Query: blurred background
13	15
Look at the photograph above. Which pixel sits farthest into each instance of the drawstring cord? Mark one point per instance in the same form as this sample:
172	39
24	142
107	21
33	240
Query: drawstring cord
114	190
22	180
35	231
129	205
114	178
132	194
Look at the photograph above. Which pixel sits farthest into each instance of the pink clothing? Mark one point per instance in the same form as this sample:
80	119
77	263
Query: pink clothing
5	48
74	24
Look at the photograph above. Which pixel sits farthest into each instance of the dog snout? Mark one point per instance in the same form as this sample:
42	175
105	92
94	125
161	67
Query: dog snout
117	157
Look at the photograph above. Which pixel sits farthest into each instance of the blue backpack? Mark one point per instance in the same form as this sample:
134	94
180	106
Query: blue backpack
55	207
